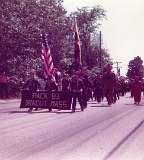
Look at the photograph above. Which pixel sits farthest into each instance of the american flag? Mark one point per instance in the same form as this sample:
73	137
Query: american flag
77	45
46	57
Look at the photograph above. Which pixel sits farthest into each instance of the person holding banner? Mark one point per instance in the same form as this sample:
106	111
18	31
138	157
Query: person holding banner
66	90
32	85
50	86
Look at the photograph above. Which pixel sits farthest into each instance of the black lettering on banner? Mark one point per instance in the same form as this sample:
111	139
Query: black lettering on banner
43	99
65	104
54	104
39	95
62	104
34	95
36	103
56	95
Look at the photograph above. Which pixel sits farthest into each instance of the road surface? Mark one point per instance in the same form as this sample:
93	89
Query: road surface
98	133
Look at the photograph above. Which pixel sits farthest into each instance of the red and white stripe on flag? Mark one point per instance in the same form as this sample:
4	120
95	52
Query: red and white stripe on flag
47	60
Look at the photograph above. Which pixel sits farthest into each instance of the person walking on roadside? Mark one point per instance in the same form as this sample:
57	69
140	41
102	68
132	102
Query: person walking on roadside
50	86
86	91
136	89
32	85
109	83
98	88
3	86
76	86
66	90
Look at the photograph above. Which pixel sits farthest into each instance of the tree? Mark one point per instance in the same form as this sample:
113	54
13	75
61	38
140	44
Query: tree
135	68
22	22
89	21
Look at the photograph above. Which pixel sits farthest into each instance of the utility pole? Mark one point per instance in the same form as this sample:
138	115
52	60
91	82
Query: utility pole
118	67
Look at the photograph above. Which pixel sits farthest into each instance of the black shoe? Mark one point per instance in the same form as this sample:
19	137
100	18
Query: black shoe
29	110
50	109
82	109
109	104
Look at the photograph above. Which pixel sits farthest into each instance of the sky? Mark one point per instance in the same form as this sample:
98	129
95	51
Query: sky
122	31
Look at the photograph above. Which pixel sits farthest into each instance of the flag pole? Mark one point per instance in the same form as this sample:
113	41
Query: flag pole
77	51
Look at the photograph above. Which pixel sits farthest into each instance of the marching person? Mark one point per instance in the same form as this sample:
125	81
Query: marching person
136	89
87	90
98	88
109	83
123	87
32	85
3	85
66	90
76	91
50	86
116	91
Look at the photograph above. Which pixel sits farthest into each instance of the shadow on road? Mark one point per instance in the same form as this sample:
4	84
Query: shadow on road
37	112
101	106
33	112
68	112
92	102
132	104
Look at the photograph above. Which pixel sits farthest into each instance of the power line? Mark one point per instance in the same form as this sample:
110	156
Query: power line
117	67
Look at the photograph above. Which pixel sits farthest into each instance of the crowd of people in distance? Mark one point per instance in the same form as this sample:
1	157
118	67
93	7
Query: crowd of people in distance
79	86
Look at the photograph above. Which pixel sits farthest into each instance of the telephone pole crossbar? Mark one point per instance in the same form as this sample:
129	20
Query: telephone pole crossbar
117	67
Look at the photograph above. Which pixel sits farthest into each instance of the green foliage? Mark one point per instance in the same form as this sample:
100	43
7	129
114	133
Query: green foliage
23	21
135	67
89	21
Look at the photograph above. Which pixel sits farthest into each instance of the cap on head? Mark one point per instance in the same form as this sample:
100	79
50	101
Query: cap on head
108	67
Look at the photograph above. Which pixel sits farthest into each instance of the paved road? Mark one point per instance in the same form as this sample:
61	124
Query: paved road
98	133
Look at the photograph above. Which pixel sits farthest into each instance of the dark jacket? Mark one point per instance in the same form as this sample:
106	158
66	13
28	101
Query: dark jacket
32	85
76	85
